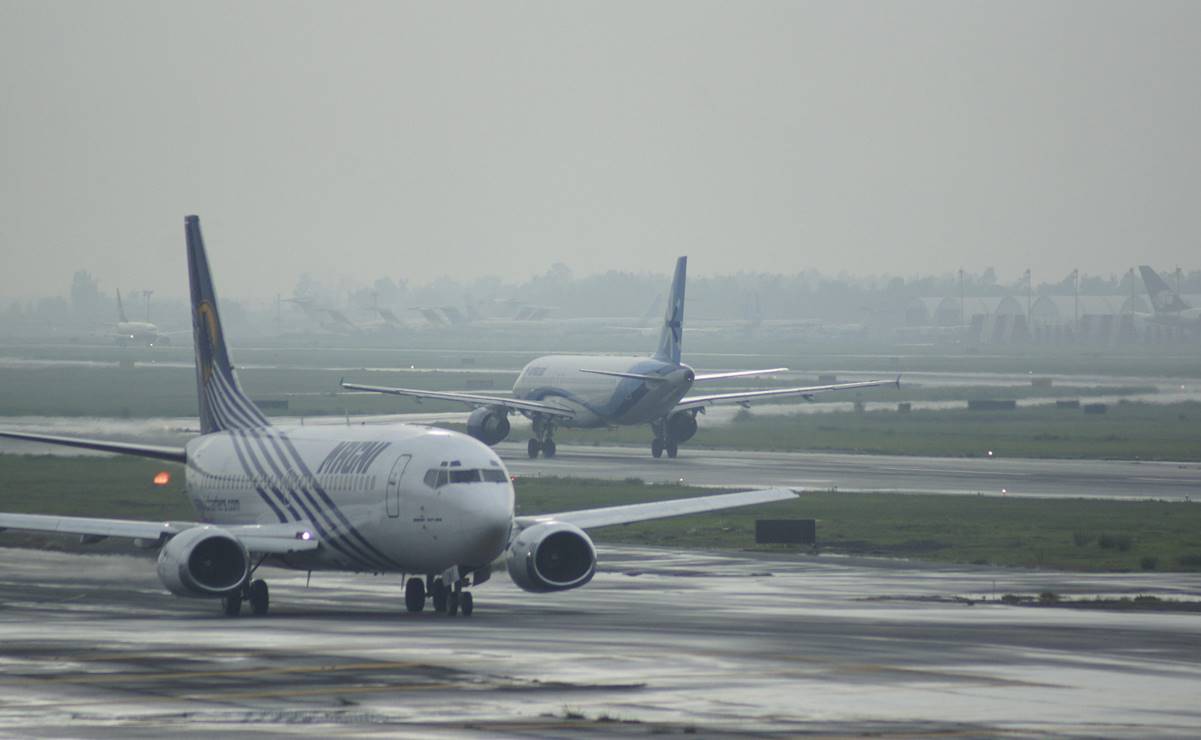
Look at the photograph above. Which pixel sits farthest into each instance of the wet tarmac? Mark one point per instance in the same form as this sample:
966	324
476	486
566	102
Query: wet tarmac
1115	479
659	643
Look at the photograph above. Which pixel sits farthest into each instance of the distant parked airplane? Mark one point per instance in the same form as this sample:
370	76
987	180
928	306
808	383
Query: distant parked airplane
1167	304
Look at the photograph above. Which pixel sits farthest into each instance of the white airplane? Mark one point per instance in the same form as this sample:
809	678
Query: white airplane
137	332
434	505
1168	306
589	392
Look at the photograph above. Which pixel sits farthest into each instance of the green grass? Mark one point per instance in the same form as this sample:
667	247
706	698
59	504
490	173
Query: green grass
1127	431
1069	534
1063	534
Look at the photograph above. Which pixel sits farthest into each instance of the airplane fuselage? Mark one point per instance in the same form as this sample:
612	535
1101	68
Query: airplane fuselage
604	400
139	332
396	498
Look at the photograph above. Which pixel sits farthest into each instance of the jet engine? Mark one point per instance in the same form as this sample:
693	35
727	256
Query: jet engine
203	561
489	424
681	426
551	557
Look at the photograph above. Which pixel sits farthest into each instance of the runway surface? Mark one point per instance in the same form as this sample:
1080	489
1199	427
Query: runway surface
1015	477
659	643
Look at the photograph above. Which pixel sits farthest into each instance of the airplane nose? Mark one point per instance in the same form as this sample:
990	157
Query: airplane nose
487	515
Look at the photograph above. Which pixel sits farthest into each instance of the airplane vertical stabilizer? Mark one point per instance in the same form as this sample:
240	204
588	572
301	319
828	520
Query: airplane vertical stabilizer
223	403
1163	298
672	335
121	308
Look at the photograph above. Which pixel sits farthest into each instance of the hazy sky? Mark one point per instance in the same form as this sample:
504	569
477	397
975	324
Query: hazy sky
414	140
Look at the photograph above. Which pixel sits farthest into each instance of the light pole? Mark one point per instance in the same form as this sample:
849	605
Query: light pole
1076	302
962	310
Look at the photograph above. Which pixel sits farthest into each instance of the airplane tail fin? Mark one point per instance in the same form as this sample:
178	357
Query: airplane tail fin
1163	298
120	308
672	335
223	403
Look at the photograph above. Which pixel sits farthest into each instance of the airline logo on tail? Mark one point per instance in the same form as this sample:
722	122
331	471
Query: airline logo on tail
209	338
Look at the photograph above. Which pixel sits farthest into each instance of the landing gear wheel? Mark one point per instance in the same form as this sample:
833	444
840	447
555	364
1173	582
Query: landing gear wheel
672	449
656	448
548	448
259	597
452	605
533	448
415	595
468	604
439	594
231	604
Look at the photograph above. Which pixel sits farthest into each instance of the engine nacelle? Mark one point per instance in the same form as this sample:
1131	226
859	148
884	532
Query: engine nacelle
203	561
681	426
551	557
489	424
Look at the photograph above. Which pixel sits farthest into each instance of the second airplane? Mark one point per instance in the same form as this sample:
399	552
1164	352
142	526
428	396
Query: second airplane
589	392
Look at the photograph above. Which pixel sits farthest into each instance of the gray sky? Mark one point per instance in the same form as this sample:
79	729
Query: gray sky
365	139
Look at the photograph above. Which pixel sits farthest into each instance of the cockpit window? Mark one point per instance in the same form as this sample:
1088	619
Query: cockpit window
438	477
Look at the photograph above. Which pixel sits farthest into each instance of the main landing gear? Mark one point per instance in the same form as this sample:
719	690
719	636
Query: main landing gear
253	592
543	441
449	600
660	445
663	441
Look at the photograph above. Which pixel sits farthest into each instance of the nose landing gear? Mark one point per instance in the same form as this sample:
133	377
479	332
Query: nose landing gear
449	600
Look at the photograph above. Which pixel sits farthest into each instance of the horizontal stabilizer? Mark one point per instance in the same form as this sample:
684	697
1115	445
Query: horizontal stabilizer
632	376
470	399
739	374
172	454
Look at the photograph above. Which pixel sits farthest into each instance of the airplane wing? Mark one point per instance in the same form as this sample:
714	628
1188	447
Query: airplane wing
628	514
745	398
266	539
471	399
171	454
738	374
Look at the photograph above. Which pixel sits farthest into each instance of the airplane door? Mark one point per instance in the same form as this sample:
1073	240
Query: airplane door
392	492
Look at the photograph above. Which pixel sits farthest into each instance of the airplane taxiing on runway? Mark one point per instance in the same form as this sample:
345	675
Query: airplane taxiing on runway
586	391
432	504
137	332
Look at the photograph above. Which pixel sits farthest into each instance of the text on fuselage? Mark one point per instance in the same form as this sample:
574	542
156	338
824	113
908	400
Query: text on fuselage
352	457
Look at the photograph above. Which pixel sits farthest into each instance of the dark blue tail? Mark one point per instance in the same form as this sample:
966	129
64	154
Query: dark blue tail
223	403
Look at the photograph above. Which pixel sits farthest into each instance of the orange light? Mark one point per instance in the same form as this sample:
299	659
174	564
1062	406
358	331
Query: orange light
162	478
